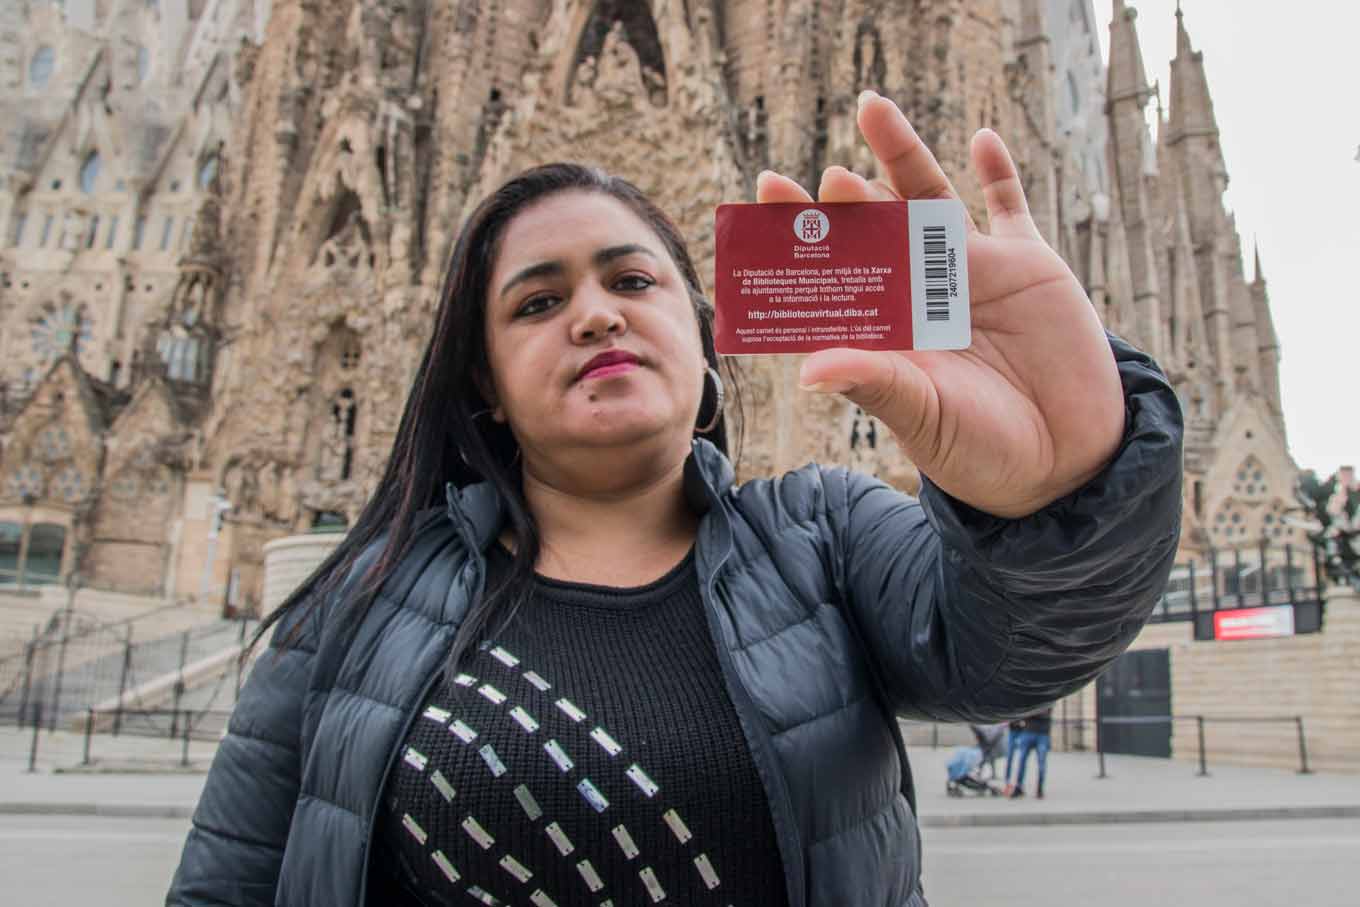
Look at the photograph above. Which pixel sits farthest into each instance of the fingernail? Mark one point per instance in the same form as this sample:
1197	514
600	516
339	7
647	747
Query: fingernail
826	387
866	96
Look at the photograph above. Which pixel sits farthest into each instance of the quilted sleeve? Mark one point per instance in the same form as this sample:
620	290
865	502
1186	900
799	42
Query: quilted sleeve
235	848
970	617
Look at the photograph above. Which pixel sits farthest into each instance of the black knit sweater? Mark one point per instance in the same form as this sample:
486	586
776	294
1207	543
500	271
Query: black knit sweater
590	755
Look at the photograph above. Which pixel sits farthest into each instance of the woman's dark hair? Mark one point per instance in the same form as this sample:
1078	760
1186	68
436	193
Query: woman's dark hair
443	436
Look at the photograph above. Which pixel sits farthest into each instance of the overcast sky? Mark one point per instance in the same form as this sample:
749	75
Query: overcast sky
1285	80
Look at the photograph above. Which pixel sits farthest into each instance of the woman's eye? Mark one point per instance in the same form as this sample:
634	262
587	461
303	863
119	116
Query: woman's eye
634	282
537	305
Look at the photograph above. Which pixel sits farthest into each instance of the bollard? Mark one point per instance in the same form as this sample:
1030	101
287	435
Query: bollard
122	682
1303	748
1100	746
89	730
37	728
184	753
934	736
1203	765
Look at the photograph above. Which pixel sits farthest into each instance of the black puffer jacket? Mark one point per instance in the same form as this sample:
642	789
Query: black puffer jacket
834	603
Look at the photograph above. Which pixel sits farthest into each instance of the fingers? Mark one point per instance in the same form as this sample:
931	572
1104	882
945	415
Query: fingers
775	187
840	185
1007	211
888	386
910	167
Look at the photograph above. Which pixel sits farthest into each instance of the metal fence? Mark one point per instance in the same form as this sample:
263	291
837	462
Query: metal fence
1071	733
1253	576
135	687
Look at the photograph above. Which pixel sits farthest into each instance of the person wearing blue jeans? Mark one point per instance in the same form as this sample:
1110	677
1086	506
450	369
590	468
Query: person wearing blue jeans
1012	747
1035	736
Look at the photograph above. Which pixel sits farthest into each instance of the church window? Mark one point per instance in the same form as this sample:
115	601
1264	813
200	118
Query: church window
28	481
143	63
41	66
46	542
54	444
186	233
16	236
69	485
89	172
329	521
139	232
175	185
58	328
46	231
93	233
207	171
158	483
337	454
350	354
113	233
125	487
167	231
11	545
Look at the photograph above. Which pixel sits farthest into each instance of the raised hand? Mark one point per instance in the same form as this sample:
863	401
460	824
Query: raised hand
1034	408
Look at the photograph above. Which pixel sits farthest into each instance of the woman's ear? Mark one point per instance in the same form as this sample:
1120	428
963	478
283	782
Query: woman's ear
488	391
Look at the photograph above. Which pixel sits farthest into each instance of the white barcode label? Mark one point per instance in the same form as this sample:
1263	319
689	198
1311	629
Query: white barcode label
937	243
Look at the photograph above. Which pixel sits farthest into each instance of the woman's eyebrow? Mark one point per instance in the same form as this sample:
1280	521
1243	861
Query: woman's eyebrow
554	268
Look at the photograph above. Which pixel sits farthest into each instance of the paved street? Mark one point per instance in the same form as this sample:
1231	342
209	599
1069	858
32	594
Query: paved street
63	861
109	834
1204	864
57	861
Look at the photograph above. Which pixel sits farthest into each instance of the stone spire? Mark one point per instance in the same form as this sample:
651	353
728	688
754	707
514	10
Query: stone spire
1127	77
1192	107
1268	343
1127	96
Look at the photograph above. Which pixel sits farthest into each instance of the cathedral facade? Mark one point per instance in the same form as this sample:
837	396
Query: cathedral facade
227	222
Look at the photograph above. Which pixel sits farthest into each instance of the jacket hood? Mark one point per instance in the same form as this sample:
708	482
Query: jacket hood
478	510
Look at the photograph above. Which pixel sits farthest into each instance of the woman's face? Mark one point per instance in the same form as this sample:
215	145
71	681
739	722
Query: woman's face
590	332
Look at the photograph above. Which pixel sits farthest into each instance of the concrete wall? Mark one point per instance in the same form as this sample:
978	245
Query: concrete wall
1316	676
288	561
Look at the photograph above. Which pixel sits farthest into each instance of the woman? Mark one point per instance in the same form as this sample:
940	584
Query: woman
592	671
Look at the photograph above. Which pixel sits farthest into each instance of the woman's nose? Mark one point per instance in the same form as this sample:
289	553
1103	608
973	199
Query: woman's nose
598	317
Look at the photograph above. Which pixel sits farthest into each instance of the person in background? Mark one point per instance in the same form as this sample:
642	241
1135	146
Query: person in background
1013	730
1034	737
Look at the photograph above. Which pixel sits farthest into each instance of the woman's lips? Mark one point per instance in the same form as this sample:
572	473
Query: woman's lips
607	371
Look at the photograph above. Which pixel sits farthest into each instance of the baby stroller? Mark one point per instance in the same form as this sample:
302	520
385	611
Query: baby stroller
965	768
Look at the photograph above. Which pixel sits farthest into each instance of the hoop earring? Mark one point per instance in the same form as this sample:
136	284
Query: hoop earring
720	393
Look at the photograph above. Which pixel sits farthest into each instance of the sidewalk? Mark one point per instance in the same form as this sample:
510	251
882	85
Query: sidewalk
141	777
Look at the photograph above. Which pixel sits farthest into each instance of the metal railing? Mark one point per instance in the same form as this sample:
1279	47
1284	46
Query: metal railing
1252	576
71	673
184	726
960	735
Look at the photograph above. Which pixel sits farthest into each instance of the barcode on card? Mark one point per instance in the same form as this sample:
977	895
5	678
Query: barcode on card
937	237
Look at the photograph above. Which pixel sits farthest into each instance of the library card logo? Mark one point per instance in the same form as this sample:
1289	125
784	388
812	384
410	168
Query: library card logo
811	225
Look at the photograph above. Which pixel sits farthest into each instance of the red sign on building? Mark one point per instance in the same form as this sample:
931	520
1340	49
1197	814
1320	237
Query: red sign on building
1254	623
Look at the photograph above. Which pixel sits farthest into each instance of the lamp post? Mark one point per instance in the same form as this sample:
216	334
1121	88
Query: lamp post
220	506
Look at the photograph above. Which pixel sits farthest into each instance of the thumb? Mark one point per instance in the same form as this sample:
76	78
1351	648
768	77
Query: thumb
888	386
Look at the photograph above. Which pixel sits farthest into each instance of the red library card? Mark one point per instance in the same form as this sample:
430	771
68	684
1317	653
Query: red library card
794	278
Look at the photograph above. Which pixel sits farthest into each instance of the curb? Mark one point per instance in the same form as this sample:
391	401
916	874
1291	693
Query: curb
1134	817
105	810
966	820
